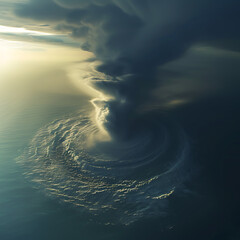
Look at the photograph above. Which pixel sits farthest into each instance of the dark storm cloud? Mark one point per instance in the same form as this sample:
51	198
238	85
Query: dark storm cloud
43	10
132	38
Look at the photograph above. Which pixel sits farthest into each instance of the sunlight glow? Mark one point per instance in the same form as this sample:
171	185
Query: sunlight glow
6	29
5	52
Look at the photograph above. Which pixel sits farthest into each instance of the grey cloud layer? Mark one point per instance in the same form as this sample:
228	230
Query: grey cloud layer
127	35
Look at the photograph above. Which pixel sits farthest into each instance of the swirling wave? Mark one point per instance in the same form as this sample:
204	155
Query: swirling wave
126	180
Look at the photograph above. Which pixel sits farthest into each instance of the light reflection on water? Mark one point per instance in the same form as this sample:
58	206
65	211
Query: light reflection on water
26	213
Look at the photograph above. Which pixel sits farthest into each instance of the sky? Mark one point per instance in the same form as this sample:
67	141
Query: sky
136	63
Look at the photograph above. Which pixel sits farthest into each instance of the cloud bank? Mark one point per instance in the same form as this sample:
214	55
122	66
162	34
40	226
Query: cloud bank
132	38
126	35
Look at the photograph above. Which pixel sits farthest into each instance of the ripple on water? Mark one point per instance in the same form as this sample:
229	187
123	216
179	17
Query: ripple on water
125	180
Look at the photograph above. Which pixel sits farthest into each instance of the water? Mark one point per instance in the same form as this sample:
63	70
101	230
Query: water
27	212
203	208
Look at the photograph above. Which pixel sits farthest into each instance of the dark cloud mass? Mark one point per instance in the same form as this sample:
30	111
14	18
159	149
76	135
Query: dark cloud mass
133	38
127	35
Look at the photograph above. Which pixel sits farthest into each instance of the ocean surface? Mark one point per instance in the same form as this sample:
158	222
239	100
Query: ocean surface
205	206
